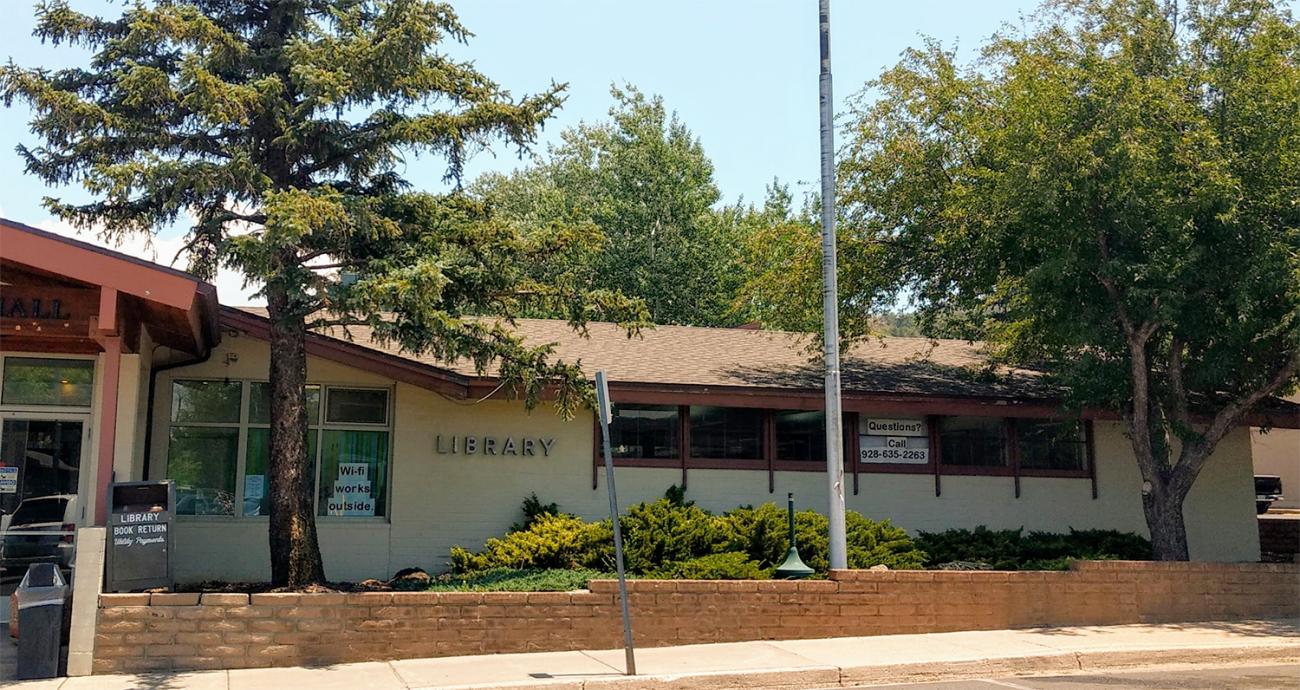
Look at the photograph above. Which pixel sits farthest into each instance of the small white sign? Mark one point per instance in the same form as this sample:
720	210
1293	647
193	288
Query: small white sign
254	486
893	441
8	480
352	491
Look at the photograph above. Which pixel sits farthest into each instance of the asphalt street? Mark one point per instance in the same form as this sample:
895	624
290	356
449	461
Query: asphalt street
1232	678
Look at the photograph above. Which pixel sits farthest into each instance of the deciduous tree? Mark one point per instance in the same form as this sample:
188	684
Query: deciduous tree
1110	193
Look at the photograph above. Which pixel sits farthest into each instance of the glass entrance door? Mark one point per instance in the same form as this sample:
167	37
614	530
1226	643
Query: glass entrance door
40	476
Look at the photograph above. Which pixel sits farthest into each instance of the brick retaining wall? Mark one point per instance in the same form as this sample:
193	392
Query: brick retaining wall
140	632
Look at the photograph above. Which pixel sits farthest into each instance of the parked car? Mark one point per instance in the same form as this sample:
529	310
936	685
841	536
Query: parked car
55	518
1268	488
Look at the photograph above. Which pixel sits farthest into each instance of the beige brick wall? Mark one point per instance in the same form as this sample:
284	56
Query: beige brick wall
143	632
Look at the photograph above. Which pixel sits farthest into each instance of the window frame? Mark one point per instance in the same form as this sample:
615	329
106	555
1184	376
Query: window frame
853	465
244	425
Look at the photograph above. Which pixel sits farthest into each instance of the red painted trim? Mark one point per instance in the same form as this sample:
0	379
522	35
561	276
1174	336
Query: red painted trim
358	356
853	455
1092	455
88	263
683	438
770	448
1013	451
722	464
936	461
662	463
107	421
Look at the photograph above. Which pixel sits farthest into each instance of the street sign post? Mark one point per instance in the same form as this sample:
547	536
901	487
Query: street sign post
605	411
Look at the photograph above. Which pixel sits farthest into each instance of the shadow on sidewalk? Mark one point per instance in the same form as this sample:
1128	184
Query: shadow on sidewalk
1252	628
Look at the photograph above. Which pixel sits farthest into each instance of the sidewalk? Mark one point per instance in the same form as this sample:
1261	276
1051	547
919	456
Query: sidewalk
839	662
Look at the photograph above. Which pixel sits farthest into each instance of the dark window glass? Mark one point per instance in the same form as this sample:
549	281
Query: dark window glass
259	404
35	511
39	381
726	433
973	441
206	401
800	435
357	406
644	431
202	461
1050	445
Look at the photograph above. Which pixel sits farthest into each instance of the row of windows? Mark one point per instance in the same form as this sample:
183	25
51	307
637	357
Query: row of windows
220	441
655	432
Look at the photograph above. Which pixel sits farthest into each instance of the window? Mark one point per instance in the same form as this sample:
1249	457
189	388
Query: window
800	435
220	442
202	461
357	406
644	431
973	441
727	433
354	473
1050	445
48	381
206	401
203	446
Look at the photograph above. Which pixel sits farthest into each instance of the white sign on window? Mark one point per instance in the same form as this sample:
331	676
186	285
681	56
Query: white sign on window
893	441
352	496
8	480
254	486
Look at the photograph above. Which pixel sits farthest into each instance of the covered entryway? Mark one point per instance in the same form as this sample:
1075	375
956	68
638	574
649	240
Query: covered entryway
81	330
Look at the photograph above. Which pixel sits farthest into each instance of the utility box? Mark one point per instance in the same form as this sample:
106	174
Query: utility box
41	597
140	535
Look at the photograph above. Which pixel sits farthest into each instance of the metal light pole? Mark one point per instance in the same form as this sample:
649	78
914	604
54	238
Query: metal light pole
830	304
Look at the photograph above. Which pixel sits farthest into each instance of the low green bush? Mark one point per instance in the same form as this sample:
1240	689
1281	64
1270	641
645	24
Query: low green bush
1013	549
673	535
728	565
551	541
516	580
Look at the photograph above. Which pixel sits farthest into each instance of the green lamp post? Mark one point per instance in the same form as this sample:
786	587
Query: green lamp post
793	568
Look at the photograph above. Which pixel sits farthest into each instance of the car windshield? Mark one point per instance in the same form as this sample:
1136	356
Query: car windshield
39	510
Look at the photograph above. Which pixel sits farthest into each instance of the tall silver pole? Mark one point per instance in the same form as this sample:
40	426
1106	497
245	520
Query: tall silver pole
830	304
605	411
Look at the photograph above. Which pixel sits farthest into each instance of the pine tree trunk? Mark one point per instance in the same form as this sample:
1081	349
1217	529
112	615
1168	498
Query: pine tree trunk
1164	513
295	553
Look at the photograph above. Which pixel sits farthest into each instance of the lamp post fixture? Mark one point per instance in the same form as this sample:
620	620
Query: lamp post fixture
793	568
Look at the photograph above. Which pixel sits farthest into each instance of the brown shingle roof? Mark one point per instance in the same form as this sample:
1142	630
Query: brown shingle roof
729	357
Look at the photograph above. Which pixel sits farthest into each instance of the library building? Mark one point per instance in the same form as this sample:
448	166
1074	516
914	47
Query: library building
115	369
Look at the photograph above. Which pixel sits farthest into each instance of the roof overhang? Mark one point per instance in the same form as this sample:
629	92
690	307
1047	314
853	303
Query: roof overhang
117	294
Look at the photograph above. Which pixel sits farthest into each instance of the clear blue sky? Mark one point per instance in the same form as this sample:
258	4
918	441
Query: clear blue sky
742	74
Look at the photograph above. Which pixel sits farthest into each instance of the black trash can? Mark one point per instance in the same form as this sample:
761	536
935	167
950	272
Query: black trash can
41	597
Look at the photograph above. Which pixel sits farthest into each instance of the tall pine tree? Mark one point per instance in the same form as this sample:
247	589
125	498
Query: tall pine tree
277	131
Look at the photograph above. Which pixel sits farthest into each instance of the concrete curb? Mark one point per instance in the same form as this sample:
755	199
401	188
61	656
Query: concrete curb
857	676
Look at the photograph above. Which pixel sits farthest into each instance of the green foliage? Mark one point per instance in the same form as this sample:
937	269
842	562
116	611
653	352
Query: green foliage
552	541
279	130
668	536
1014	550
664	532
727	565
642	184
512	580
1108	194
534	508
